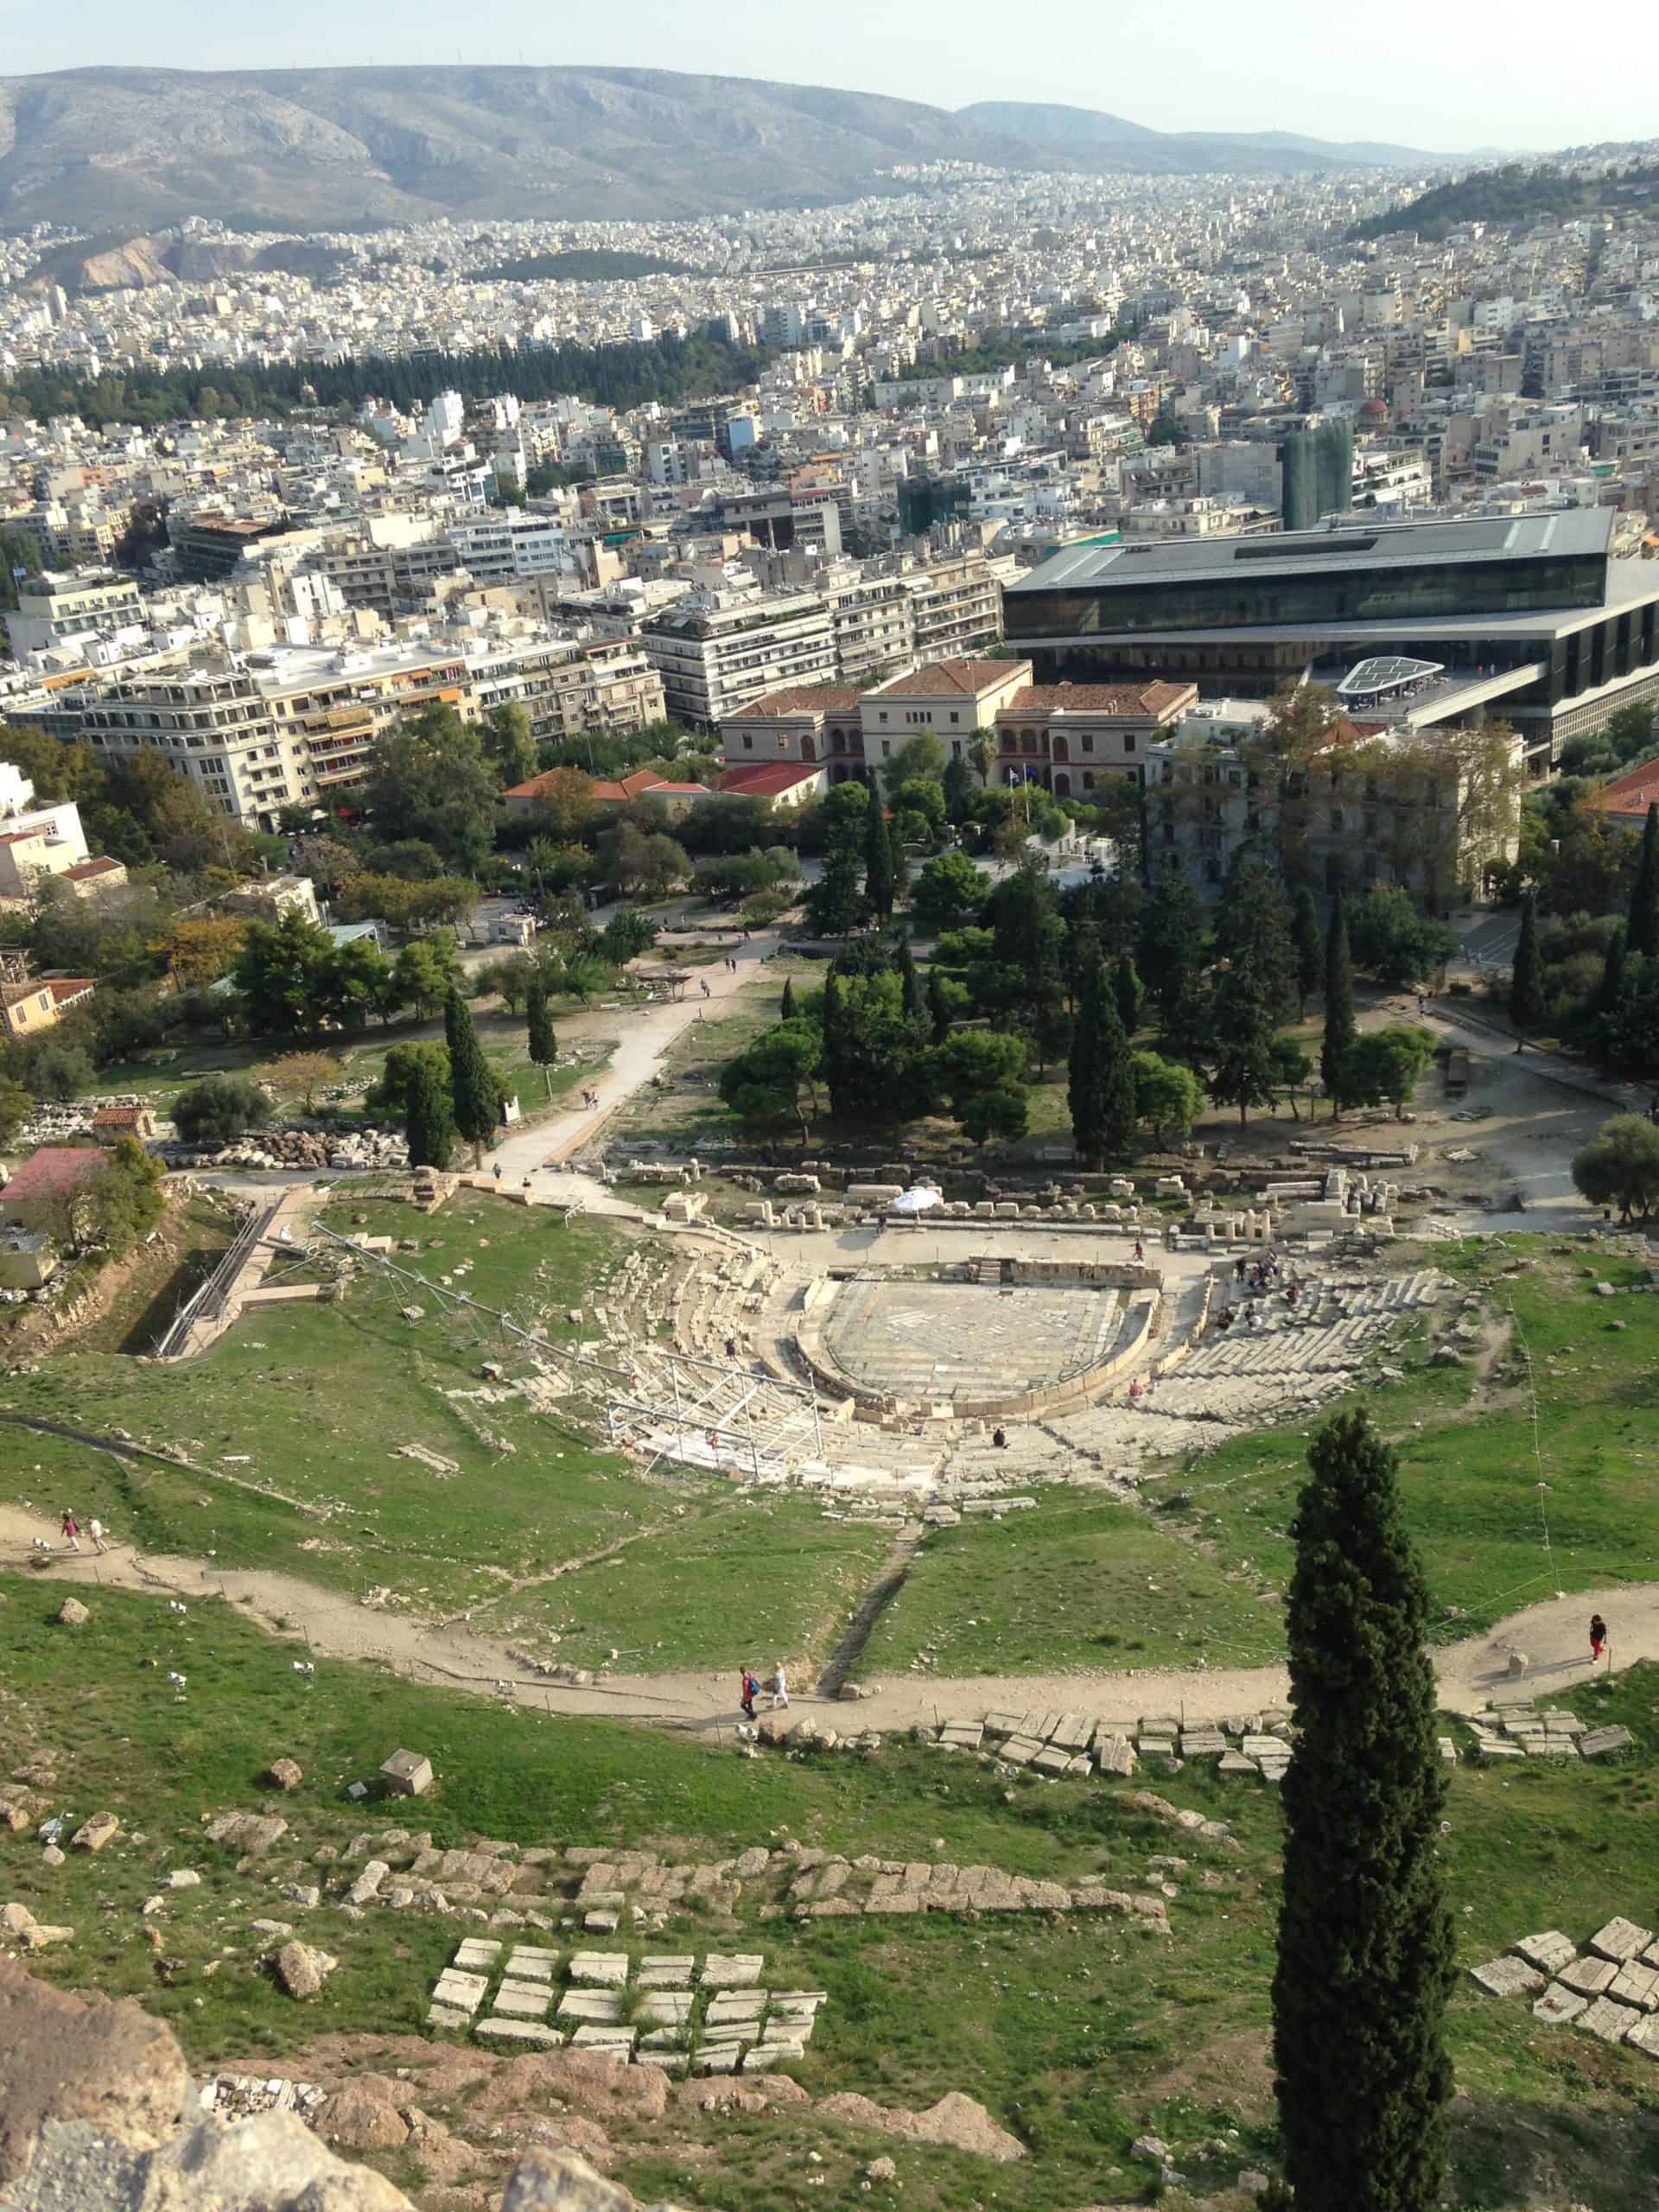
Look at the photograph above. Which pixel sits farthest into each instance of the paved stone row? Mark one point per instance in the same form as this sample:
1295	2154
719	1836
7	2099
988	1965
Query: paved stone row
1054	1743
1520	1732
1612	1991
676	2012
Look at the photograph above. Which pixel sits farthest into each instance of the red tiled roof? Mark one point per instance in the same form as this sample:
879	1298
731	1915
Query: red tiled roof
964	678
1632	794
83	870
117	1117
64	988
1135	699
801	699
53	1170
766	779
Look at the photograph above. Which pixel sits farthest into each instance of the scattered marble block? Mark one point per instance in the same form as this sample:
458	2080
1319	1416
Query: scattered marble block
1644	2035
1049	1761
464	1990
594	2008
1558	2005
961	1735
1509	1978
525	1965
1612	2023
662	2039
1620	1940
601	1923
1490	1748
1448	1751
1588	1976
523	2001
1235	1762
1072	1732
1602	1743
1549	1952
722	2061
1635	1984
670	2061
1203	1744
734	1970
1020	1751
737	2010
447	2016
407	1774
519	2035
1113	1754
767	2057
668	2008
1005	1724
663	1971
600	1969
476	1951
618	2041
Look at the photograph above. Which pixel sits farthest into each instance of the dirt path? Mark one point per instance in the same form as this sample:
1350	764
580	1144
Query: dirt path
335	1626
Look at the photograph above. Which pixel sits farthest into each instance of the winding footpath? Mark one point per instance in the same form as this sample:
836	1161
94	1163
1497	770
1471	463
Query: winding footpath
332	1625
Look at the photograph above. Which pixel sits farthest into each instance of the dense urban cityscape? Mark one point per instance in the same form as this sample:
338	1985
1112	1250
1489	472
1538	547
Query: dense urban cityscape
828	1078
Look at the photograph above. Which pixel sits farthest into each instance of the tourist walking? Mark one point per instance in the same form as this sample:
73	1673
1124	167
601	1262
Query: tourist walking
71	1530
1597	1637
748	1689
1140	1248
95	1530
779	1688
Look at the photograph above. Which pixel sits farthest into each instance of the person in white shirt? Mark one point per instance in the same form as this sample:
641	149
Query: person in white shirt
779	1686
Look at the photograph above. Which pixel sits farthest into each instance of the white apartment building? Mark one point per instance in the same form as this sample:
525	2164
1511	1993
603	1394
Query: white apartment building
715	659
502	545
214	726
55	610
955	608
35	840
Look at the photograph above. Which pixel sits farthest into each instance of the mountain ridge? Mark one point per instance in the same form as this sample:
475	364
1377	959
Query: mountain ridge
348	149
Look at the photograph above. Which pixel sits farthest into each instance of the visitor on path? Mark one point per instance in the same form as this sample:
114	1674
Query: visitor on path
1238	1268
95	1530
1597	1637
731	1347
1139	1250
496	1171
749	1687
703	983
71	1530
1000	1438
779	1688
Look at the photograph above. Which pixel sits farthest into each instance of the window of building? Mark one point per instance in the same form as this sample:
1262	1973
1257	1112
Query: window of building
748	743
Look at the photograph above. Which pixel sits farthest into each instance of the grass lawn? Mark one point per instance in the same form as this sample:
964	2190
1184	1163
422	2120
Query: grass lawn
749	1580
1078	1582
688	1108
1077	2033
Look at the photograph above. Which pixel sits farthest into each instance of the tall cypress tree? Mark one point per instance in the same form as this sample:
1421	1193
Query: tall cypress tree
1170	955
911	981
1100	1083
541	1042
1642	935
833	1066
938	1010
1340	1028
1612	972
429	1118
1126	990
1310	949
1365	1943
472	1085
786	1004
879	887
1244	1070
1526	989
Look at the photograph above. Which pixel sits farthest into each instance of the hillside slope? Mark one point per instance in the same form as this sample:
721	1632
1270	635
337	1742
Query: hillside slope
1091	135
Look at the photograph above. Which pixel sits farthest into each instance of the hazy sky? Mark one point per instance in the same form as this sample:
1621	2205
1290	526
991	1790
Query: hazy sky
1420	72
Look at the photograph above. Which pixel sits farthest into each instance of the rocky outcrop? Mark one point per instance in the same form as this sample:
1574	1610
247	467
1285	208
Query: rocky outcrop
92	2114
956	2121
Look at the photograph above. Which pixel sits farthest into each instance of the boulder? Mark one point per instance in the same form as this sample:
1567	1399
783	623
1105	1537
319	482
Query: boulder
251	1834
73	1614
301	1970
17	1922
93	1834
558	2181
284	1774
364	2116
109	2066
956	2121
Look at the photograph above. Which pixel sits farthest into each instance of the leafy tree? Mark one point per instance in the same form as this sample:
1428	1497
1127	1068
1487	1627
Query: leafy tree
872	1058
909	985
1168	1097
764	1084
1309	947
1126	990
837	905
1611	986
1384	1064
1620	1166
58	1069
413	859
949	891
880	886
280	973
626	936
636	859
565	805
1170	958
507	744
428	1120
1026	982
199	952
219	1108
981	751
301	1073
922	761
16	1107
974	1060
1526	997
476	1093
1100	1085
1340	1028
542	1044
1391	940
125	1199
1002	1112
1642	934
358	981
508	978
1365	1946
429	778
425	973
397	1083
957	790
